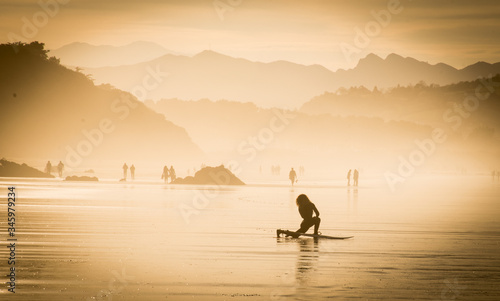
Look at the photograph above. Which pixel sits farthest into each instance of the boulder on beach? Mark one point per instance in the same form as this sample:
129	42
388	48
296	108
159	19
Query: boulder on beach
211	176
82	179
11	169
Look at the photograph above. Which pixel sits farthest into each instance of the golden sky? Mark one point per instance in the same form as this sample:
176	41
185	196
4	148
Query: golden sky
323	32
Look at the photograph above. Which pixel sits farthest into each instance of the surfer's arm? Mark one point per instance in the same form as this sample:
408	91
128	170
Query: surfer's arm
315	210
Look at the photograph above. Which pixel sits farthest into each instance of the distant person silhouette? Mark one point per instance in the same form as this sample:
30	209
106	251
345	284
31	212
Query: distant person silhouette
125	168
164	175
276	170
349	178
60	168
48	167
132	172
292	176
355	177
306	209
172	174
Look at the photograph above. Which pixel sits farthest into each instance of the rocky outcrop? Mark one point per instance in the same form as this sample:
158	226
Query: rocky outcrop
211	176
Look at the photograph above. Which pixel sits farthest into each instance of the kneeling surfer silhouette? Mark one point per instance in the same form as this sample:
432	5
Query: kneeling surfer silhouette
306	209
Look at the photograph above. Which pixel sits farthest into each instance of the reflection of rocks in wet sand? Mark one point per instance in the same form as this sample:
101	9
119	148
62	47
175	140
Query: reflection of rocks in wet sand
82	178
211	176
11	169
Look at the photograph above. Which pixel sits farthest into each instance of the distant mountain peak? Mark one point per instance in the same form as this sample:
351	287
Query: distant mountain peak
480	64
369	60
281	83
372	57
209	53
88	55
394	57
78	43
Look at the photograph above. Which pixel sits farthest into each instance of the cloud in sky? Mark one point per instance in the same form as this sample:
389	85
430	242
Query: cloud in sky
309	32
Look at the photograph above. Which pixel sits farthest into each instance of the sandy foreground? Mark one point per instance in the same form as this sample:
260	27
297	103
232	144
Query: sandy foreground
432	239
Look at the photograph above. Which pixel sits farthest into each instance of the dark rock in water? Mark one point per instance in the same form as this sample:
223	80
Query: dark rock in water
211	176
82	179
11	169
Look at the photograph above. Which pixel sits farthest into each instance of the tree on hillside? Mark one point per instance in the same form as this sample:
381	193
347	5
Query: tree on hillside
32	49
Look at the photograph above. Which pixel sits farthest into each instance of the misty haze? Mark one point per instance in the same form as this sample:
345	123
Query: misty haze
250	150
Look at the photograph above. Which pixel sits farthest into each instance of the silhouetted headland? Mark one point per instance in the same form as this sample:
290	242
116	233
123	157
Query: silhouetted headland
211	176
93	122
11	169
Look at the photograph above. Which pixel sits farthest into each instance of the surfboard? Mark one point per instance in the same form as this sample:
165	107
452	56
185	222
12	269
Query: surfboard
291	233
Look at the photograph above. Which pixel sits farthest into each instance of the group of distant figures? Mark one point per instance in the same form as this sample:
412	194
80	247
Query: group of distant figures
125	169
276	170
355	176
292	175
168	173
60	167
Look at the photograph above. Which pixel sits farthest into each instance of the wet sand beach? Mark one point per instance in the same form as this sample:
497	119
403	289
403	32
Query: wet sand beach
435	238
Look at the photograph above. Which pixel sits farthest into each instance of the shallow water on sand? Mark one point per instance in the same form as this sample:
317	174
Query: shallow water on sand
433	239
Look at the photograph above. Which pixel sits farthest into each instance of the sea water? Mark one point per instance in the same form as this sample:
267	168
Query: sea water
433	238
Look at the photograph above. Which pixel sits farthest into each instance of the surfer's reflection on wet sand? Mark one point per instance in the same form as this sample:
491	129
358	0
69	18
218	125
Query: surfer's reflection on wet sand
306	261
305	269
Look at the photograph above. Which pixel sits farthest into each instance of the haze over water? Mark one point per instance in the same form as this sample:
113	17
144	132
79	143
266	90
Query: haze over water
436	238
405	94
